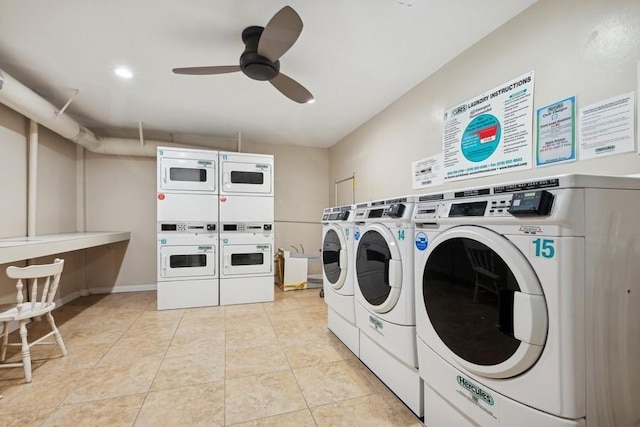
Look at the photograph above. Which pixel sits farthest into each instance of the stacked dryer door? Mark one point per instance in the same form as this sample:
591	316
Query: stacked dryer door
384	296
246	228
187	228
337	274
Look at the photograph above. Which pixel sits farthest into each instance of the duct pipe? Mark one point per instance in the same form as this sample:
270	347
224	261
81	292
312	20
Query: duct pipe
20	98
33	179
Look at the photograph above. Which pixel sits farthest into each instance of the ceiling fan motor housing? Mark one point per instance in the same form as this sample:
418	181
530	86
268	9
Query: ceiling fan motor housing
253	65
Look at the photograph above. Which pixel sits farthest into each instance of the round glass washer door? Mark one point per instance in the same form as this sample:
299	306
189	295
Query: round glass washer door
334	257
484	301
378	268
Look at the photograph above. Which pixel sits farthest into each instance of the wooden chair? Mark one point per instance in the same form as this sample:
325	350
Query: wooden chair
482	262
40	303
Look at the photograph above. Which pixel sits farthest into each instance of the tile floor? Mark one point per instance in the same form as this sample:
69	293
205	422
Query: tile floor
270	364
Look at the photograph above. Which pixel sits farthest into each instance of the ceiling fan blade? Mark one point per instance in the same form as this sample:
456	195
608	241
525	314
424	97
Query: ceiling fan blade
291	89
280	33
199	71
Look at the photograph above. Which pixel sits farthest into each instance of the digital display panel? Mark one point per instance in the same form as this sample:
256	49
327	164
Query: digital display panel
468	209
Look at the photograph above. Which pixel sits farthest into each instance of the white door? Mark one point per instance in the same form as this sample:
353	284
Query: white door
187	261
334	257
483	302
187	175
378	268
246	178
247	259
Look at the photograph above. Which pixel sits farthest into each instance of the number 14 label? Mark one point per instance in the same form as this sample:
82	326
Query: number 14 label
544	248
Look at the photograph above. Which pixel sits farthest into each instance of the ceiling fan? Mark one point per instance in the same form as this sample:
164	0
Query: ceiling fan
261	57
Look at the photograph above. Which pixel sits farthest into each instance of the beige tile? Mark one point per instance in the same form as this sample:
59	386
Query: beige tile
332	382
307	293
401	409
298	330
313	349
204	312
127	350
201	325
282	304
264	395
364	411
77	358
190	370
115	380
255	360
245	311
47	390
260	334
153	327
190	344
119	411
88	334
196	405
24	419
292	419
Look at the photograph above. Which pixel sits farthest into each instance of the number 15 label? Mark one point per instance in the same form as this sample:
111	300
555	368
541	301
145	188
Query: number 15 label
544	248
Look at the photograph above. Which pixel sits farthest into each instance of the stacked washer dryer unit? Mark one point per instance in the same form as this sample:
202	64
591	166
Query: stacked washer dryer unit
337	274
187	228
384	295
527	300
246	228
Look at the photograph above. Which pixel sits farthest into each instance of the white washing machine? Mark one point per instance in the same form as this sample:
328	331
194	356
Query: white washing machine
246	174
527	299
187	264
337	274
246	262
384	295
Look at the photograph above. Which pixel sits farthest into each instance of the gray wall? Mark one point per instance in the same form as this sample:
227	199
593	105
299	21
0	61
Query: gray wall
584	47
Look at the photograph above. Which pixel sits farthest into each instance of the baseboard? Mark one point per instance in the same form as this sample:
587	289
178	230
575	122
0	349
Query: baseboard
123	288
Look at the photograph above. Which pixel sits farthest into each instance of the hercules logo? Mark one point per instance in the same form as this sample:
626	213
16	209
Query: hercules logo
475	390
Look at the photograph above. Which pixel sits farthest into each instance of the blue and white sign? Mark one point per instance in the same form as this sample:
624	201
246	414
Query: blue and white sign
356	234
422	241
490	133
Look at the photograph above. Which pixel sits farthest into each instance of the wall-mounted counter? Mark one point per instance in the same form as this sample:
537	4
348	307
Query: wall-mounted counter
21	248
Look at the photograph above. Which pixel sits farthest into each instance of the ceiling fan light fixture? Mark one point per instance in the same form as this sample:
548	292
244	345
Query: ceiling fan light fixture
123	72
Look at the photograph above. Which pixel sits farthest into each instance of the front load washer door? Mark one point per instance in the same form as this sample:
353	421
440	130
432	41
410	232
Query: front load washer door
334	257
379	268
484	301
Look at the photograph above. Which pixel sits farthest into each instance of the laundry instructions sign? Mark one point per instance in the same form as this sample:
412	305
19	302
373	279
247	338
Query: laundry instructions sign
490	133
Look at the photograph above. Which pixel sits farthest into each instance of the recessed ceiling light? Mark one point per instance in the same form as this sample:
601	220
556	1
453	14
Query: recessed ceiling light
125	73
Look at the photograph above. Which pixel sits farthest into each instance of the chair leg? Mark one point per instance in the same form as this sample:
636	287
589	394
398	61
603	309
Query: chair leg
5	340
26	351
56	334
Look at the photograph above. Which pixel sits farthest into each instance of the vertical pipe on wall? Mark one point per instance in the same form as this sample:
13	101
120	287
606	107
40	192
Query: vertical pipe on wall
80	220
81	224
33	179
239	142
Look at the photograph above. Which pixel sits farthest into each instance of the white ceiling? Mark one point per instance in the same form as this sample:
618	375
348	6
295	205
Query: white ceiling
355	56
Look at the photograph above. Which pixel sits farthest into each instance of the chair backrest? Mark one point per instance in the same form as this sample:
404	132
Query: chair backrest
480	257
42	293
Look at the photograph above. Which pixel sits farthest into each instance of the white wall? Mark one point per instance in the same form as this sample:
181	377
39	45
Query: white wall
584	47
